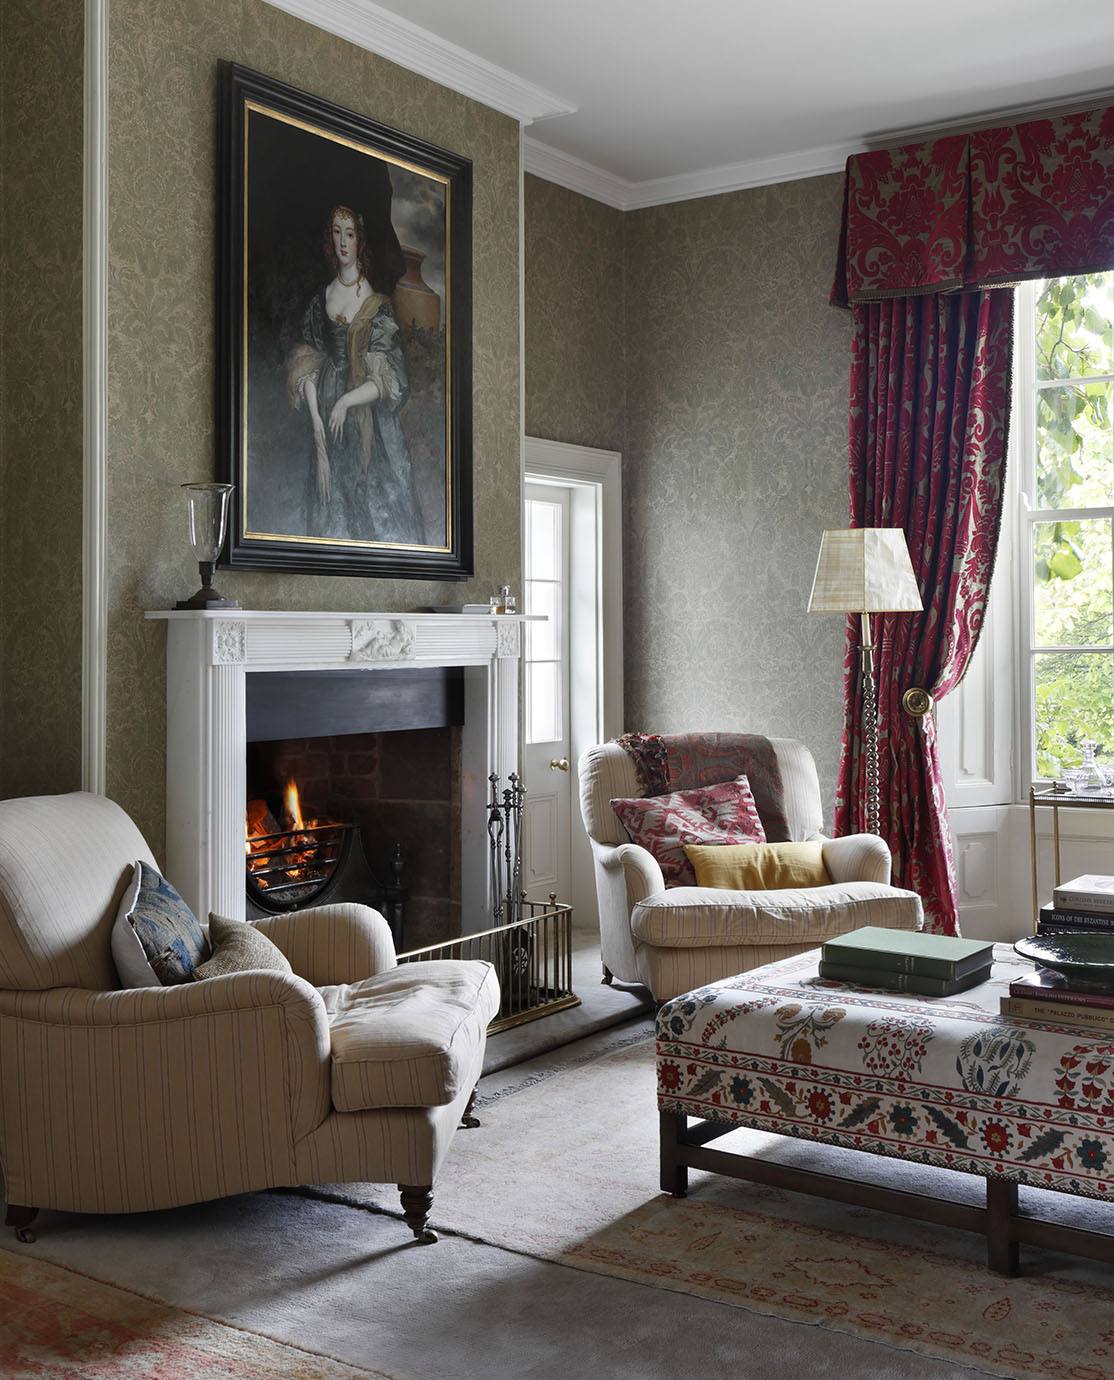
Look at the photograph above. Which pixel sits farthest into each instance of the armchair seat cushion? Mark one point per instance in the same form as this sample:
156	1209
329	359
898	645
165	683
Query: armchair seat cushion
692	917
410	1037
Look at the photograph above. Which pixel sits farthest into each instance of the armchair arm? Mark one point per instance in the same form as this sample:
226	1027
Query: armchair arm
641	871
333	944
857	858
265	1033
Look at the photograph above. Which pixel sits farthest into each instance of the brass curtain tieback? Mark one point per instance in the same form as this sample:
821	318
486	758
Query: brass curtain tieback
917	702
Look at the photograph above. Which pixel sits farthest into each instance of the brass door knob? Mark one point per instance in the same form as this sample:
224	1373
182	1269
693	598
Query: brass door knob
558	764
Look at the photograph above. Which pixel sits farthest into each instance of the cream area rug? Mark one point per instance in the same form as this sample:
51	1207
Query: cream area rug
565	1169
56	1323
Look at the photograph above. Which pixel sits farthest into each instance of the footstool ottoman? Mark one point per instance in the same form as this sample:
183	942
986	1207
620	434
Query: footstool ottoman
943	1081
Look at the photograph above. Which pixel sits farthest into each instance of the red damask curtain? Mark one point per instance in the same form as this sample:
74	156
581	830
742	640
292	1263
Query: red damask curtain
929	418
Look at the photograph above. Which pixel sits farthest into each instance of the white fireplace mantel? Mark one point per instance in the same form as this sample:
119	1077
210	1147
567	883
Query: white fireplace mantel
210	655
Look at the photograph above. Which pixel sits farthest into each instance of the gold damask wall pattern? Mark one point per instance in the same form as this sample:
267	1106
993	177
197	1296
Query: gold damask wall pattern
735	460
40	397
162	209
573	270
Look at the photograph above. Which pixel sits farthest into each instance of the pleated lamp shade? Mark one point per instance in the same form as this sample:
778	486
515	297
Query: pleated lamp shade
864	570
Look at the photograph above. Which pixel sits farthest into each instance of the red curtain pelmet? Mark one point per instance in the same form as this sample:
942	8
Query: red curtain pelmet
930	393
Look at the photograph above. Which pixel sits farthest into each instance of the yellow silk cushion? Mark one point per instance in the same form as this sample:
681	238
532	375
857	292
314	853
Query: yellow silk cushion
758	866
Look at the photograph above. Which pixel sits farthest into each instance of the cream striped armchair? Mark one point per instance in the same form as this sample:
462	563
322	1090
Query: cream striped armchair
675	939
348	1069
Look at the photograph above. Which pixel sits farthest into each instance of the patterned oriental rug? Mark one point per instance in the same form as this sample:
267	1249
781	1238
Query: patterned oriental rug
565	1169
57	1323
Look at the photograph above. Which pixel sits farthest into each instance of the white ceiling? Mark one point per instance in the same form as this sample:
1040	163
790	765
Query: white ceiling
661	92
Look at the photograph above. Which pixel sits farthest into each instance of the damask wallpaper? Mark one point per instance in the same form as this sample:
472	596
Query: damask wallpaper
162	122
734	438
573	267
40	397
734	461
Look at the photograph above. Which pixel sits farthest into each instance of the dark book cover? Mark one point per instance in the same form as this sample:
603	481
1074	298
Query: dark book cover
1047	985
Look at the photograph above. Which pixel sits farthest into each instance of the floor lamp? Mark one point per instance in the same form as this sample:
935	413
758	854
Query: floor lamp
866	570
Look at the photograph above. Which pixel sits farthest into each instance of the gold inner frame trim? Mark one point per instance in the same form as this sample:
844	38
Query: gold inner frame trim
247	533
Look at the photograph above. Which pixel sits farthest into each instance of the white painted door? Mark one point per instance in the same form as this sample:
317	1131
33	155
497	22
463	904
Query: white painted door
548	860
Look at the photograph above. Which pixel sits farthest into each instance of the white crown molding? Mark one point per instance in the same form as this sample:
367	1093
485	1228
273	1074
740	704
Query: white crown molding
94	604
555	166
417	49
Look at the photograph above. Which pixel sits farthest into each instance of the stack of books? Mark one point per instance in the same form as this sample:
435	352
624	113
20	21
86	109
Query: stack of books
928	965
1045	996
1079	906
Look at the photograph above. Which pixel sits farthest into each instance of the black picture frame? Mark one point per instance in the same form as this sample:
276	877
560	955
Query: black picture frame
285	158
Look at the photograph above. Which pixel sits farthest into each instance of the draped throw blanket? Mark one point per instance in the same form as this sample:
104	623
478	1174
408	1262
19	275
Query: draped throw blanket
929	414
685	761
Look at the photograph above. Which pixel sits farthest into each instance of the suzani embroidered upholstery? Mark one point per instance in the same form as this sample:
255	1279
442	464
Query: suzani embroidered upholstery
946	1082
663	824
1019	201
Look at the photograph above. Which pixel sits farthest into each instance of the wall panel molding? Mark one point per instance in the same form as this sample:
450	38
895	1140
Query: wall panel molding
94	620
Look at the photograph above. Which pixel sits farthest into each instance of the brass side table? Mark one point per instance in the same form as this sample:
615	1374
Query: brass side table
1051	798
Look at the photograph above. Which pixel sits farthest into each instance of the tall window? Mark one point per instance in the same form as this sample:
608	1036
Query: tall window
1064	424
545	560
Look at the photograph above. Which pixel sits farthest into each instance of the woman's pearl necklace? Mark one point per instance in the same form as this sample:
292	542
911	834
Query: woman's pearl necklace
356	284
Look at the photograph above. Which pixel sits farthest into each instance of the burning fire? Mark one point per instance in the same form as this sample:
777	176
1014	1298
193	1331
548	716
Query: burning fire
281	853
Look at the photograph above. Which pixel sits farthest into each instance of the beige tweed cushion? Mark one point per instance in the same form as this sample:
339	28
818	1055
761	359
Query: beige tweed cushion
410	1037
689	917
239	948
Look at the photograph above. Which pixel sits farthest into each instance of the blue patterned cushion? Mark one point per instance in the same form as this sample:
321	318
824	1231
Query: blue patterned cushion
168	933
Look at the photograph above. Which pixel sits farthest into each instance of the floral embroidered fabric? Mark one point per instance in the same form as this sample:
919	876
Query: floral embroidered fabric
663	824
947	1081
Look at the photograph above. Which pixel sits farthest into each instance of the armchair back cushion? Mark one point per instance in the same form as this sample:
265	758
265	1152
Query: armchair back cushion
65	861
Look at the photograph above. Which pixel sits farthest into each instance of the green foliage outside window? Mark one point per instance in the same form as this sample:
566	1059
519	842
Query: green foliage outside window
1074	580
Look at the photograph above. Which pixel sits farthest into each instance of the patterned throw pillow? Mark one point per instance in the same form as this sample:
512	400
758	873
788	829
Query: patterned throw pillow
239	948
724	813
157	940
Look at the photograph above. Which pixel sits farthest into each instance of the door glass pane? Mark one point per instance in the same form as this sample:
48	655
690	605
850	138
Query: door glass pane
1074	702
1072	583
543	540
542	702
542	639
1075	445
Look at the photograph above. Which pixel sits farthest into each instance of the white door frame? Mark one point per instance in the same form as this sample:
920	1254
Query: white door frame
594	478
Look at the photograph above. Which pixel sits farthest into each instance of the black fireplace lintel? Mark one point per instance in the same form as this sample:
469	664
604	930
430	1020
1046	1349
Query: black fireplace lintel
312	704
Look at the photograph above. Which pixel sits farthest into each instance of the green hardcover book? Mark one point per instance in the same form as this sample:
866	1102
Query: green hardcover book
908	951
913	983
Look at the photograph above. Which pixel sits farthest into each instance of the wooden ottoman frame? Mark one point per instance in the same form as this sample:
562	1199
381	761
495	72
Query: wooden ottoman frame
1001	1222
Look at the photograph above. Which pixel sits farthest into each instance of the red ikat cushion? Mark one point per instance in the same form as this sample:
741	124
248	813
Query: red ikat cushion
723	813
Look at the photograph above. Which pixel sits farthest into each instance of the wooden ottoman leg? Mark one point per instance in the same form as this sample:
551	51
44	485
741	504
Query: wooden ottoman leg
416	1205
20	1218
674	1174
1001	1207
468	1121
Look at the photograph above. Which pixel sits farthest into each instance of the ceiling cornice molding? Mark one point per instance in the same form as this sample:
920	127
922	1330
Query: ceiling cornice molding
579	176
379	31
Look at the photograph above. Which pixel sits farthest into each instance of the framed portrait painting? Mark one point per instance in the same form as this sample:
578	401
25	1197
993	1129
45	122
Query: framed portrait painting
345	384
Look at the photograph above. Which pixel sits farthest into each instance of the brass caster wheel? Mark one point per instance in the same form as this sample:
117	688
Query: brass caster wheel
469	1122
26	1236
426	1237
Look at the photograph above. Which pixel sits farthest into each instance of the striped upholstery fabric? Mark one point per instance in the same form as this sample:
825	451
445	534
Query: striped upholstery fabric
123	1101
64	863
694	917
408	1037
689	936
332	944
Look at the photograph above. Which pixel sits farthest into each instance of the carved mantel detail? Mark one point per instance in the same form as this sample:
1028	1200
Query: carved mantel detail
230	642
507	641
381	639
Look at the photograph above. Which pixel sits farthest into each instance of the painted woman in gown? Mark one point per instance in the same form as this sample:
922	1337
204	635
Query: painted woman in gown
348	376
